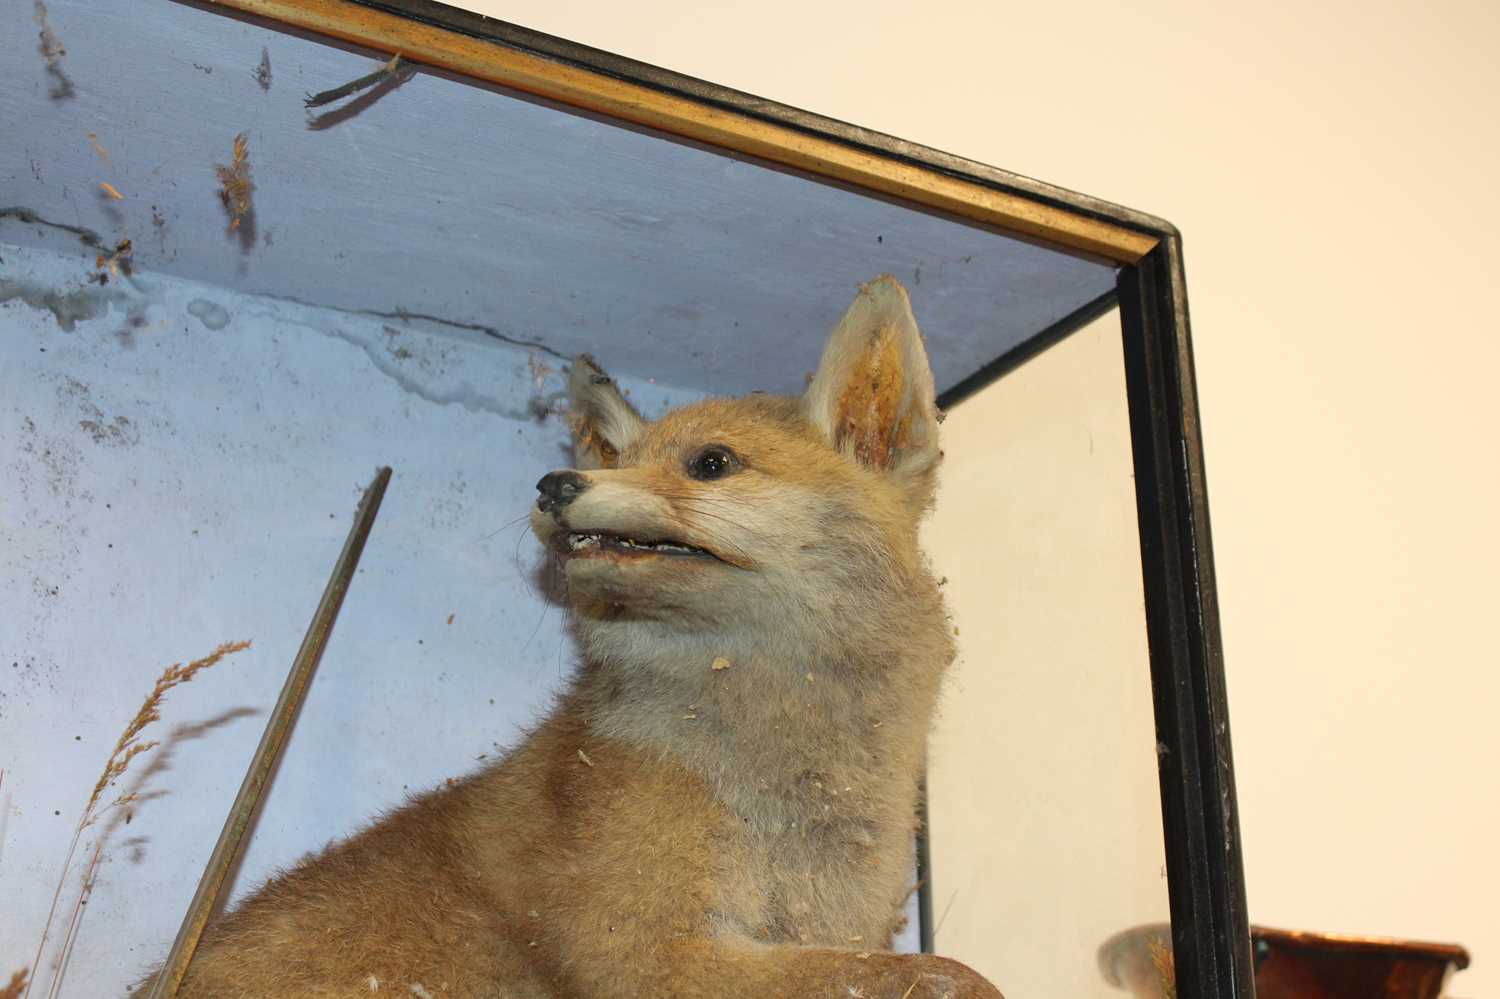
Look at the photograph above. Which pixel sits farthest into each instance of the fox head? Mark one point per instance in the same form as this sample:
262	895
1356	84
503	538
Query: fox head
761	516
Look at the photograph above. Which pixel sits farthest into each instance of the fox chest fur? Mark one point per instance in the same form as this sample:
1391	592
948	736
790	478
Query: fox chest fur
723	802
817	778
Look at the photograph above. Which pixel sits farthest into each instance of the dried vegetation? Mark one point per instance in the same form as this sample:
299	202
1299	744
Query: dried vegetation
51	48
130	745
236	189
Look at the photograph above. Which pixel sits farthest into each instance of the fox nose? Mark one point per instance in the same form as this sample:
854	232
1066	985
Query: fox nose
558	489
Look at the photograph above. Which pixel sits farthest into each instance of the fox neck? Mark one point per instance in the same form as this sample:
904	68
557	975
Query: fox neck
785	725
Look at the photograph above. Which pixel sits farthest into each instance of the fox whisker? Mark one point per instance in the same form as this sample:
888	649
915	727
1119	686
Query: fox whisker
525	516
697	510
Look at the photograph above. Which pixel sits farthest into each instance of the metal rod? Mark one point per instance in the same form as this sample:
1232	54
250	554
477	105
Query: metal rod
271	742
926	931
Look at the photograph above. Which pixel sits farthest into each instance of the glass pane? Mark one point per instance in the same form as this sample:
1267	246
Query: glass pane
221	310
1043	796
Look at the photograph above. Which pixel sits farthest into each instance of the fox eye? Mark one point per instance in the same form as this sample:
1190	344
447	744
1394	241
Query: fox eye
713	462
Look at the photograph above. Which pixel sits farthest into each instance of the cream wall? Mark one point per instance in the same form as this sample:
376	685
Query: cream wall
1347	152
1043	795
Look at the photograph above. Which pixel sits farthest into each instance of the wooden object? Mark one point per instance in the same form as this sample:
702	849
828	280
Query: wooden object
1294	965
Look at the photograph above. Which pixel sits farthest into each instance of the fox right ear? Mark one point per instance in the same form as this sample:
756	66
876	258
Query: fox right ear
872	396
604	422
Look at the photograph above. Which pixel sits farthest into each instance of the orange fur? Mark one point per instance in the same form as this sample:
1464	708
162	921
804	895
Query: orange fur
677	827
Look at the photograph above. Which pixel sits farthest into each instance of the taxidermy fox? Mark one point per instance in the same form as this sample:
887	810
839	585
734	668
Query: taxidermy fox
723	802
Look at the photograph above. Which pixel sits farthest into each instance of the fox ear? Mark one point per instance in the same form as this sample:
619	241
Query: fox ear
604	422
873	397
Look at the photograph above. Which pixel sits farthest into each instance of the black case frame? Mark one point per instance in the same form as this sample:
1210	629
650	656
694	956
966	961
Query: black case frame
1210	924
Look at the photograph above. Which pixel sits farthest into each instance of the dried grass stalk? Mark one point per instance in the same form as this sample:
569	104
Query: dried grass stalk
127	748
1166	968
75	920
381	75
14	987
236	189
263	71
117	261
52	52
51	49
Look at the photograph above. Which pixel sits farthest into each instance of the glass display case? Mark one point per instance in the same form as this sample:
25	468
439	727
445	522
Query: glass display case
252	249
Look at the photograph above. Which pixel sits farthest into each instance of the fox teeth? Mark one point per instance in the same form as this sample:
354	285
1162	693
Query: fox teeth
578	542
